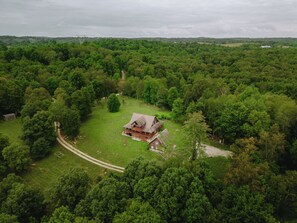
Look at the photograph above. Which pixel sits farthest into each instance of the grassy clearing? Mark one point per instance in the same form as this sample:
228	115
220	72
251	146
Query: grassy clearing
12	129
101	134
45	172
102	138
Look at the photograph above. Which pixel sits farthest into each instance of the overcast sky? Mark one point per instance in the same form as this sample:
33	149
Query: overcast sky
149	18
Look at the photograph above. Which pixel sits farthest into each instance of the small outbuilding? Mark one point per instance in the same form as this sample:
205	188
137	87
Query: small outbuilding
9	117
160	139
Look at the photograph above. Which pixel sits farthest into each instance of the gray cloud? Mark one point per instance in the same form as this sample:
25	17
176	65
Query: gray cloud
149	18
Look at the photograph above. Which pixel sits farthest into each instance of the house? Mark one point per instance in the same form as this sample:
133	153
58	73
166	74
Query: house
142	127
160	139
265	47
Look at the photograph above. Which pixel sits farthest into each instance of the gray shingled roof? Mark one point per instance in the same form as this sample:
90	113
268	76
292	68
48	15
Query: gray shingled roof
149	120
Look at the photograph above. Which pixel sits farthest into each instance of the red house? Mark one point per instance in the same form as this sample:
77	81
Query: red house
142	127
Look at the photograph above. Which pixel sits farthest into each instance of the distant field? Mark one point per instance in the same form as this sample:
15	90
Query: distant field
101	134
232	44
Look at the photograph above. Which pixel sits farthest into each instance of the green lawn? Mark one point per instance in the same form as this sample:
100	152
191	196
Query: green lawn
12	129
101	137
101	134
45	172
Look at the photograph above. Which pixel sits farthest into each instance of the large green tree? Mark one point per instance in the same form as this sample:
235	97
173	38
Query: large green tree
196	131
113	103
40	126
70	188
17	157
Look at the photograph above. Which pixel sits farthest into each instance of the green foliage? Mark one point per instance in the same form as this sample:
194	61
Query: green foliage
106	199
178	110
172	96
70	188
138	212
113	103
282	193
62	215
4	142
81	100
23	202
70	122
243	205
40	148
6	218
17	157
41	125
196	131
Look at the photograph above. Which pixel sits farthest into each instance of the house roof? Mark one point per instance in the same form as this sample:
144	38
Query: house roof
162	137
147	121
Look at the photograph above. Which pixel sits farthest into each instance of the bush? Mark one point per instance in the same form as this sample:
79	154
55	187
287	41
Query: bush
113	103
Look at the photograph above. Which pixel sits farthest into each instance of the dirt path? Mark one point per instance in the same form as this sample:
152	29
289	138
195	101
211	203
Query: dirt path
212	151
85	156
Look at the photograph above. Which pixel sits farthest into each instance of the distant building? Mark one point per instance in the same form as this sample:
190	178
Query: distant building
142	127
265	47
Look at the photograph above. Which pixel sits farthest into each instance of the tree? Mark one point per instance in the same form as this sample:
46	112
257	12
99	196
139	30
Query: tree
293	153
4	142
272	143
81	101
113	103
17	157
6	184
106	199
198	209
243	170
243	205
23	202
174	188
40	126
172	96
70	188
178	110
282	193
70	122
138	212
139	169
62	215
196	131
40	148
77	80
6	218
162	98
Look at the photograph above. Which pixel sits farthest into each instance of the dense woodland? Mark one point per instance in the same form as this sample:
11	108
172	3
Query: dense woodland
246	94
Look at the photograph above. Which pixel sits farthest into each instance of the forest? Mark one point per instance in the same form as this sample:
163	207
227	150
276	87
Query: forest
246	94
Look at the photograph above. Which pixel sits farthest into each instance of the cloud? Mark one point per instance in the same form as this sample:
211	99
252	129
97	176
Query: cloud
150	18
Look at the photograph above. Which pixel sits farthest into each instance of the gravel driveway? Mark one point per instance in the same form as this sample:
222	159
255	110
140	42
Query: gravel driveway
212	151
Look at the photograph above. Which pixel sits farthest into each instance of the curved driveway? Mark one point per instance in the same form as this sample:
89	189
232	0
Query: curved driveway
85	156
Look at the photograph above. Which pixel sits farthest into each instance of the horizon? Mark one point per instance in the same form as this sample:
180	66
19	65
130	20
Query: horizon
149	18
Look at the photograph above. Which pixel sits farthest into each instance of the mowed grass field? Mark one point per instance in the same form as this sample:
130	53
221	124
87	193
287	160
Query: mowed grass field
45	172
101	135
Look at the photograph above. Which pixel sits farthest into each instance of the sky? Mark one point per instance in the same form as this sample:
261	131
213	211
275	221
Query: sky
149	18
